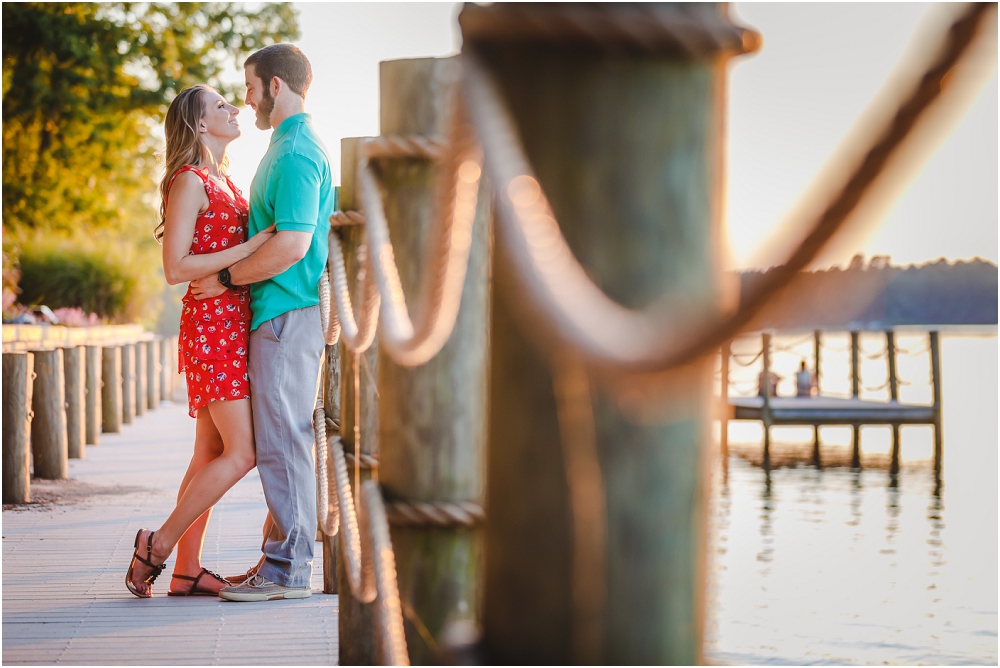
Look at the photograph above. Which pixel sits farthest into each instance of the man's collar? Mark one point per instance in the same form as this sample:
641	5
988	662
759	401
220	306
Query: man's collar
286	125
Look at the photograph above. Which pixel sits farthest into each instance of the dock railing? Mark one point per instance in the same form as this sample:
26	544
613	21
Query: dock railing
597	411
64	386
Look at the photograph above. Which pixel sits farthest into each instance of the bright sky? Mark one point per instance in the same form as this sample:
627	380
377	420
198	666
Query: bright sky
789	106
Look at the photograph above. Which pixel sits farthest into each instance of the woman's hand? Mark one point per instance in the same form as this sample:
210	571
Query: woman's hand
259	239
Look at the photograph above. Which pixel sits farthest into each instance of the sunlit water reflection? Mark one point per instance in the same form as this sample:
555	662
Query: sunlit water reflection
834	565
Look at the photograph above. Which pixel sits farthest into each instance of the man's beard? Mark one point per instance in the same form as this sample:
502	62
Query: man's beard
263	111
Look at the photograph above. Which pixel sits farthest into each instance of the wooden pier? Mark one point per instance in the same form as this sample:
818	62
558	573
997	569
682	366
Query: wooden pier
65	556
819	410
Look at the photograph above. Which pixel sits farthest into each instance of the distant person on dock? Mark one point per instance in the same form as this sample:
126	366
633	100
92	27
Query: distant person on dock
773	377
805	382
203	228
293	192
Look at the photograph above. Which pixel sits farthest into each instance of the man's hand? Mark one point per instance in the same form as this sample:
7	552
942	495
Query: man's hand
207	287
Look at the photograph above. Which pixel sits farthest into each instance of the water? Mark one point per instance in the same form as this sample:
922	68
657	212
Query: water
838	566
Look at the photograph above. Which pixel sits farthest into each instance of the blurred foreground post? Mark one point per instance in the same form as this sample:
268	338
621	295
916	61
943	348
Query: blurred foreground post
432	417
598	478
48	425
17	386
358	408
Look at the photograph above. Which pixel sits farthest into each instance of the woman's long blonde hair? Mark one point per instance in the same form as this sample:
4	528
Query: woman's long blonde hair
184	145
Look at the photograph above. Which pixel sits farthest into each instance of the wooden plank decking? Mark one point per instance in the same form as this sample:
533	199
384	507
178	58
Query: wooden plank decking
64	598
830	410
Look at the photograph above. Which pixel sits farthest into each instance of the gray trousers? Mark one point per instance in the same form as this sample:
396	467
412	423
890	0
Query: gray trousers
284	360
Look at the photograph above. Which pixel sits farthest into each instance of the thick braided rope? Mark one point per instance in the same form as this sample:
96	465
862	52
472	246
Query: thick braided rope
346	219
360	571
436	514
580	314
692	30
412	343
389	634
328	316
329	513
357	329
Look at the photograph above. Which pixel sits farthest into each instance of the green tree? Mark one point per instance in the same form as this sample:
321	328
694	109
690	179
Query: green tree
84	87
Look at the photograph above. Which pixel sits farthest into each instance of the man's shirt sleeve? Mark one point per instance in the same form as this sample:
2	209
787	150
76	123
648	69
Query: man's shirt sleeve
297	181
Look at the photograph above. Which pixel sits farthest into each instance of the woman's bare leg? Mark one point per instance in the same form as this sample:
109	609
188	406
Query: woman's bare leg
207	446
233	421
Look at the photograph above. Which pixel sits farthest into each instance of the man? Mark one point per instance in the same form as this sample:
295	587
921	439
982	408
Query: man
292	190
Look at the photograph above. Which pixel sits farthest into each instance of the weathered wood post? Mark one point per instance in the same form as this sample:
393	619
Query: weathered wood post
92	395
765	358
855	393
331	406
153	373
111	390
17	386
817	355
358	419
48	426
936	386
626	138
890	353
164	369
128	383
724	403
75	378
140	378
432	418
855	365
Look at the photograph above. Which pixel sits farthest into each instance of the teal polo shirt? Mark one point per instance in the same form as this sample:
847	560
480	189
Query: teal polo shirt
292	189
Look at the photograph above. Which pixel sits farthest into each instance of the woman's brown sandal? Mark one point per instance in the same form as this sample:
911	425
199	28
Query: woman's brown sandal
148	560
194	591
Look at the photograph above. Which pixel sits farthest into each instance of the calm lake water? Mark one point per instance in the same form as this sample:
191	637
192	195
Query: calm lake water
831	565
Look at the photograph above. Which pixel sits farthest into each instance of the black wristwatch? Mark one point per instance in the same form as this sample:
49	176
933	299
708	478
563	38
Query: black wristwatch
226	279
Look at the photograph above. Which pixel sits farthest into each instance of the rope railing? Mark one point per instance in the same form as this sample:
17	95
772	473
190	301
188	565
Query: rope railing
551	281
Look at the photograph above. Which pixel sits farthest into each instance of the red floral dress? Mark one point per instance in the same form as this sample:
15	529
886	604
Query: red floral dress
215	333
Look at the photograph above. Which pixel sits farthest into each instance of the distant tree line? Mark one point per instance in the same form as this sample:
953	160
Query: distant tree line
882	295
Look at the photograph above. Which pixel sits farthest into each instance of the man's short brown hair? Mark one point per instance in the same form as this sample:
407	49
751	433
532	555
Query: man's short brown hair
285	61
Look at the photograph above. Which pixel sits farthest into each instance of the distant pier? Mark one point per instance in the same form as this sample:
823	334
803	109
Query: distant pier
819	410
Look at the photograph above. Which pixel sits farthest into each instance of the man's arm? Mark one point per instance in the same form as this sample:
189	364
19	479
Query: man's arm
274	257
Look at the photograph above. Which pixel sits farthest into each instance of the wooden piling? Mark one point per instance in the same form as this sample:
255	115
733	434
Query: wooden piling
331	406
153	374
128	383
855	446
817	355
855	366
48	426
724	401
358	407
767	417
936	387
17	387
629	151
92	395
164	376
140	378
111	390
432	418
890	353
75	379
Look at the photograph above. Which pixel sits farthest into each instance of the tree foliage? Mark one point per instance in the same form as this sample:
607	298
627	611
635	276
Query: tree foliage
84	86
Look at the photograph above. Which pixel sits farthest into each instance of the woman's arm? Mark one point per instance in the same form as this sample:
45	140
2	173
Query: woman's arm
187	201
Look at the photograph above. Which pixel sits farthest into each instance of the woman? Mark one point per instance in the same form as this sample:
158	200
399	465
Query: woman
203	228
